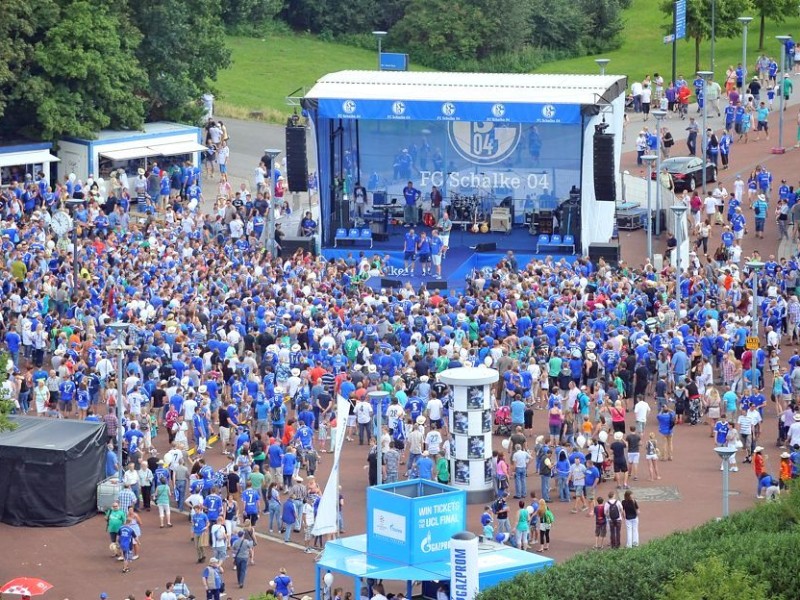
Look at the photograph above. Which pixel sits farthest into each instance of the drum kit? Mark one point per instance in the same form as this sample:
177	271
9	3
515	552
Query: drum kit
466	207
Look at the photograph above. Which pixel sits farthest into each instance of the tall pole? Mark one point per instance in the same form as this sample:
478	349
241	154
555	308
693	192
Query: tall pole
379	35
745	21
679	210
602	62
659	115
73	204
782	38
674	40
726	467
120	354
754	266
705	75
270	245
713	32
649	159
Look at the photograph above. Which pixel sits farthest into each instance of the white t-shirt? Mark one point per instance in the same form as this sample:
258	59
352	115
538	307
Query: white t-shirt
308	515
435	409
711	205
188	408
218	533
433	441
640	411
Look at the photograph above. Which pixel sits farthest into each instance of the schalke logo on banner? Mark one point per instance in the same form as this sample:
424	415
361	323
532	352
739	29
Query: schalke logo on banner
484	143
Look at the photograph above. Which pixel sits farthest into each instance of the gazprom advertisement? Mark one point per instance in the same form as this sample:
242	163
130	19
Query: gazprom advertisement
413	530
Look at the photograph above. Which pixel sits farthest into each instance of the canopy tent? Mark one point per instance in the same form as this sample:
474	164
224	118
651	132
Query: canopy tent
348	557
159	139
523	137
28	156
49	471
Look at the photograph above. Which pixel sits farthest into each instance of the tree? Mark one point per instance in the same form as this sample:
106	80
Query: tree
241	12
6	404
603	24
558	25
776	10
443	34
698	20
74	83
182	51
16	30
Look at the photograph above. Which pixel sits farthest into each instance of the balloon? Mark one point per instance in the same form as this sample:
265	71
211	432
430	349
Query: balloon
505	444
328	579
271	583
530	510
581	441
603	436
72	177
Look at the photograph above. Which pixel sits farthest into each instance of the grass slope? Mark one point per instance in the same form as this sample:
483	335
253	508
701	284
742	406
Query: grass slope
643	51
264	71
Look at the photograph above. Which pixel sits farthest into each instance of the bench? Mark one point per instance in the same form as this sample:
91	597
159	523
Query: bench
352	235
556	241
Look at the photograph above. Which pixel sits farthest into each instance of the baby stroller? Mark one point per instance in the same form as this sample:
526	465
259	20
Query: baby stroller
502	420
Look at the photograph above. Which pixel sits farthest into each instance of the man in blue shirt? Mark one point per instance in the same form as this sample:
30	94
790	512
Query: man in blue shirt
411	195
125	539
199	529
251	499
112	466
424	253
760	209
410	251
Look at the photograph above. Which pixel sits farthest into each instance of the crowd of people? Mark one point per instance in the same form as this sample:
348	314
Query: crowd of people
230	343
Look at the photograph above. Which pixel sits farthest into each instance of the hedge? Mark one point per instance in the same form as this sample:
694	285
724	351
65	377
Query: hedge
763	541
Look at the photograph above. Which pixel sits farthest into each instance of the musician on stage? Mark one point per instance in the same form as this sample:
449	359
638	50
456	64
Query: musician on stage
436	203
436	245
411	195
445	226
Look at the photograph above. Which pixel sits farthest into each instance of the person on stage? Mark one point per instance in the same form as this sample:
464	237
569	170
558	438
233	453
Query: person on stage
410	251
411	195
436	252
446	226
436	203
424	253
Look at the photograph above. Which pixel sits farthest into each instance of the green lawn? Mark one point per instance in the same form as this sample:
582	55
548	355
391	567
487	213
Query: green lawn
265	71
643	50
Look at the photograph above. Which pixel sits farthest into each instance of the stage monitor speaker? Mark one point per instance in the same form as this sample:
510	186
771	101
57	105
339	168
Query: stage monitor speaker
605	186
296	159
487	247
290	245
608	252
391	283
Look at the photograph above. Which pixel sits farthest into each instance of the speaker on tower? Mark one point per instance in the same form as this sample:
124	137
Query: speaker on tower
296	159
605	186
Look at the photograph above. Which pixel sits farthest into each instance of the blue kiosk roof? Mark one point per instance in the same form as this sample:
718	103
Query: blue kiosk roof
496	562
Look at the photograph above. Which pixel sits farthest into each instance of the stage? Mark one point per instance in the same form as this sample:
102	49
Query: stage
462	259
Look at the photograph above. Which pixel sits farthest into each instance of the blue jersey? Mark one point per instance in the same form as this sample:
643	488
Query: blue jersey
125	537
250	499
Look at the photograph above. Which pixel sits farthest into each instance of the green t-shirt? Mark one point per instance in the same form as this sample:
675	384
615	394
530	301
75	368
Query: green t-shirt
257	479
162	495
116	519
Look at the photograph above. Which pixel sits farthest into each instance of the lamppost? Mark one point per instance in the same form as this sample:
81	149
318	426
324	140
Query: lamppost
120	328
649	159
725	453
602	62
679	210
659	115
379	35
74	204
269	237
782	39
745	21
705	75
755	266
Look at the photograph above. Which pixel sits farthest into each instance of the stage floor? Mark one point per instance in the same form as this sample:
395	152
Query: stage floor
461	261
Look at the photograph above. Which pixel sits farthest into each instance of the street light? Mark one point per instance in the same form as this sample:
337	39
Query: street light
269	236
725	453
679	210
782	39
602	62
379	35
74	204
120	328
745	21
755	266
649	159
659	115
705	75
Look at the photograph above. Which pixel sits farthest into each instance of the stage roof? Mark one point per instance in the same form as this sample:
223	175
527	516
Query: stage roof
468	87
495	97
349	555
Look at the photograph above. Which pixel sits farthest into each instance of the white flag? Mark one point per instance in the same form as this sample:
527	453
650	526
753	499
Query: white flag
328	510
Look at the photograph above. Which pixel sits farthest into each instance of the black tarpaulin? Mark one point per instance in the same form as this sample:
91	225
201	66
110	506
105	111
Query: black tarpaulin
49	471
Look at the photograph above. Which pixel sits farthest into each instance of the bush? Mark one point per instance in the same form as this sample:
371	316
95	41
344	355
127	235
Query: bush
762	542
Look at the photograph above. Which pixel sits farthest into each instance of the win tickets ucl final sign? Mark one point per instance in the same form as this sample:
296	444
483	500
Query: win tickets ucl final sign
413	521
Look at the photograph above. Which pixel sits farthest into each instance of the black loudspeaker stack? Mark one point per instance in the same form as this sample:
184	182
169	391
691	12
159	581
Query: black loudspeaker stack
290	245
570	222
487	247
605	187
608	252
296	159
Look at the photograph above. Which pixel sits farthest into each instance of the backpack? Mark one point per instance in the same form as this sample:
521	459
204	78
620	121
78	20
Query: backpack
549	517
613	511
275	412
696	203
